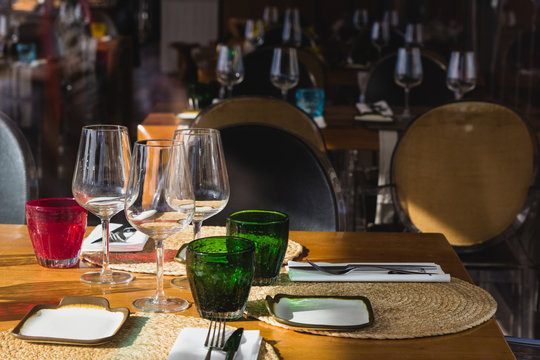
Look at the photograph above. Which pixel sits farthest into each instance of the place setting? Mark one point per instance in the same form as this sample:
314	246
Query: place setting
247	269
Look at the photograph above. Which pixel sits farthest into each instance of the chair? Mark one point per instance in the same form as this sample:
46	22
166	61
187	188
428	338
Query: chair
469	170
276	160
18	181
431	92
257	66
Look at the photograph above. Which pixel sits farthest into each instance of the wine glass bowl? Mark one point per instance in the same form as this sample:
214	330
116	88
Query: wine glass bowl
99	185
408	72
230	66
284	72
208	176
159	203
461	76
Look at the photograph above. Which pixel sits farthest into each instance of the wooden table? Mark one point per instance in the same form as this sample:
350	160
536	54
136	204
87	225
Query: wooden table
342	132
23	284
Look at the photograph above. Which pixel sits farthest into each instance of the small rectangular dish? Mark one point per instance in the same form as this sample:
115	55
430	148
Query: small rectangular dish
76	320
321	312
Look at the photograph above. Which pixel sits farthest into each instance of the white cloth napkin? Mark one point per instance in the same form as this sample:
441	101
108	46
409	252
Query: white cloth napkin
379	111
190	345
135	242
366	275
319	120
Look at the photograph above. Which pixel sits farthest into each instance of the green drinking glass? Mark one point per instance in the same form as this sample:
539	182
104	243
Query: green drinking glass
269	230
220	272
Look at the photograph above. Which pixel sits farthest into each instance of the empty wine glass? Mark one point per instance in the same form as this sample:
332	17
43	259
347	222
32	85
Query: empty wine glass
380	35
292	29
208	176
360	19
414	35
254	32
230	66
408	72
159	203
99	185
284	73
270	15
461	76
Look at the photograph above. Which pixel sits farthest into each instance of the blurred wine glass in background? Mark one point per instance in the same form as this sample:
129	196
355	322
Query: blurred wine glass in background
230	66
380	35
413	35
292	30
461	76
408	73
284	73
254	35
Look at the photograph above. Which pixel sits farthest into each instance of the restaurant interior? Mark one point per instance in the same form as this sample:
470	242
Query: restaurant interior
395	119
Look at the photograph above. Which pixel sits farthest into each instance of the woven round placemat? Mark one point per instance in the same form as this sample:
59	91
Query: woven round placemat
145	261
401	310
143	336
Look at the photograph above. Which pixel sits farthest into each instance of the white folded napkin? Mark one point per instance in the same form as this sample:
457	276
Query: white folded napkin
367	275
190	345
134	243
319	120
379	111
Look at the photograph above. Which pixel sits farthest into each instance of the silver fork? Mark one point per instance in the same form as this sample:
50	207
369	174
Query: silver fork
217	341
348	269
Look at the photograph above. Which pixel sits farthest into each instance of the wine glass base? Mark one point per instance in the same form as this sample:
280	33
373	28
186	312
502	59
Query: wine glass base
110	278
181	282
165	305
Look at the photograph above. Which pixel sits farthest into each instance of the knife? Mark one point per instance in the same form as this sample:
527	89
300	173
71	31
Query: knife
232	344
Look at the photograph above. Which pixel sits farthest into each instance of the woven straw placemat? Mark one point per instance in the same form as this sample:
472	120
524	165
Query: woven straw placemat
143	336
145	261
401	310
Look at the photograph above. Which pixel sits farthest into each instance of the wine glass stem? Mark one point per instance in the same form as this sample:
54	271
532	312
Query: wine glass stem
105	236
197	225
284	94
160	293
230	90
458	95
406	111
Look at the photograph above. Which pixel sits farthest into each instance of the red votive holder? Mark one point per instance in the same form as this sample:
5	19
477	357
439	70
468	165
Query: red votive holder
56	227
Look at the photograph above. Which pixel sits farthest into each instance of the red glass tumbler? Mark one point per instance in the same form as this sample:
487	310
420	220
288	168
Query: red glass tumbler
56	227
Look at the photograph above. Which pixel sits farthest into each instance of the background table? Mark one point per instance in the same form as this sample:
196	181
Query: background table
23	284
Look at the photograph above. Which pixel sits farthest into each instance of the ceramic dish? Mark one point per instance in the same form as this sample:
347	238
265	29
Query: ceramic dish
321	312
77	320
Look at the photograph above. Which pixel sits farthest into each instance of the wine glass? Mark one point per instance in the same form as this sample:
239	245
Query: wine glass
360	19
461	76
159	202
284	73
380	35
408	72
230	66
99	185
254	32
292	29
414	35
208	176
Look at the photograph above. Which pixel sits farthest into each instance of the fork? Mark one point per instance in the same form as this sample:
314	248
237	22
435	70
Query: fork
349	268
217	341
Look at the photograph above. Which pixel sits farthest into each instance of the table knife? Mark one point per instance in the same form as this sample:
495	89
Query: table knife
232	344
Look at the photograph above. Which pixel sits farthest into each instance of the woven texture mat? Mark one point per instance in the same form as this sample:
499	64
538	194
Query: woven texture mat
143	336
401	310
145	261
